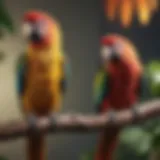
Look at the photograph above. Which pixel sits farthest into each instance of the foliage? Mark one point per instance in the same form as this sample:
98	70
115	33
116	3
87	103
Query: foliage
136	143
153	69
5	18
6	23
3	158
87	156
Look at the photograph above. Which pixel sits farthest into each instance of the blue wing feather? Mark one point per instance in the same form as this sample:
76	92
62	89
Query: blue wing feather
20	73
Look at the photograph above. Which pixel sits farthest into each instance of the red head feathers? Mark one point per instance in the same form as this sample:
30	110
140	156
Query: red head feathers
38	28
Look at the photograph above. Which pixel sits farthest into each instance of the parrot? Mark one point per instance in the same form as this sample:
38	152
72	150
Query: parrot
42	73
144	9
119	84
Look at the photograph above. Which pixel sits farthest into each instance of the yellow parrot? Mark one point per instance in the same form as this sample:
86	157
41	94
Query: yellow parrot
127	8
42	74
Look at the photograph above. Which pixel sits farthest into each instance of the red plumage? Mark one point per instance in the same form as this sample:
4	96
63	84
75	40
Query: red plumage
107	41
42	23
34	16
123	82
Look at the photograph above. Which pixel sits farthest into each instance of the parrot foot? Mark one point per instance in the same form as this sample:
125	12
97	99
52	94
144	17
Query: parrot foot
135	112
52	118
32	119
111	115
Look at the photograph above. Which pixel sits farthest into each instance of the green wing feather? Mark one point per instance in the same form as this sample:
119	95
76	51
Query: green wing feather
20	74
101	88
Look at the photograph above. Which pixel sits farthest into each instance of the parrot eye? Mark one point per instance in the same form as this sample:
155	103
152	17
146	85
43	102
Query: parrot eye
106	52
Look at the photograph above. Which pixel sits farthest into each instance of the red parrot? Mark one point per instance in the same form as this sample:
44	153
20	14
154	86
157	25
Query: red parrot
118	86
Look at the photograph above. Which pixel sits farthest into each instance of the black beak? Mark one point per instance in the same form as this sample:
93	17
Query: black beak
115	57
35	37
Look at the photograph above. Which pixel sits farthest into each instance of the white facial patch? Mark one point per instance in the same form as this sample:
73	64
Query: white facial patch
27	29
106	52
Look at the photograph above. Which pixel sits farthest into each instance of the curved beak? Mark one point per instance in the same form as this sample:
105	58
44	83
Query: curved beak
35	36
31	33
114	57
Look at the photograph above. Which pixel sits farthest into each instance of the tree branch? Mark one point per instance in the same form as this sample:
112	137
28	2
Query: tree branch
80	123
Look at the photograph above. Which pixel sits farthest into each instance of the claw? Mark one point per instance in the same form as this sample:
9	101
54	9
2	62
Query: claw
111	115
32	119
52	118
135	112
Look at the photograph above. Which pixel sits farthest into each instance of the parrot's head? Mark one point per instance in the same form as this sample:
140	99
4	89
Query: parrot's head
38	28
118	53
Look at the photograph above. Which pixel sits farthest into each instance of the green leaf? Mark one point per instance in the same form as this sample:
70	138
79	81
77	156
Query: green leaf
124	152
3	158
153	69
156	141
87	156
5	18
152	126
137	139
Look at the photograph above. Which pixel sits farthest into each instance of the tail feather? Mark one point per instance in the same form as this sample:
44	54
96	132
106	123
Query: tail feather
36	148
108	144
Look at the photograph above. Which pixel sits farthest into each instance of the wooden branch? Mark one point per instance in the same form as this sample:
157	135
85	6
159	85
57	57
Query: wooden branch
80	122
